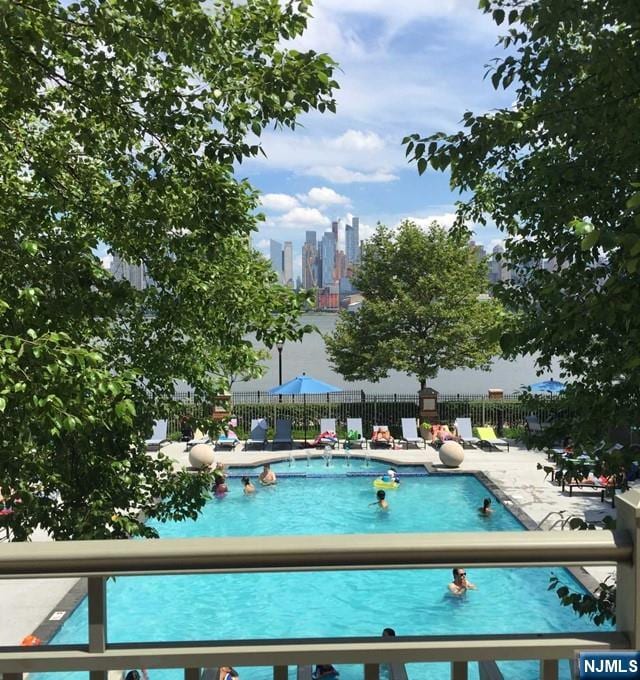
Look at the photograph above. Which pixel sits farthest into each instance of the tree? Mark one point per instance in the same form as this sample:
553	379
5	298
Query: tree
558	173
421	311
120	124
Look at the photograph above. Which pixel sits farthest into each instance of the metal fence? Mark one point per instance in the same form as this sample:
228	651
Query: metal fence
374	409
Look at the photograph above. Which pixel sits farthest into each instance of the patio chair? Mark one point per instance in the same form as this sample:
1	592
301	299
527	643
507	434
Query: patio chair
258	433
465	432
410	433
533	425
282	436
385	441
487	436
355	425
227	442
327	425
159	436
198	438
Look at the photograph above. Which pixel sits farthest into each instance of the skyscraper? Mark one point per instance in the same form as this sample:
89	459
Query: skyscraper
352	241
135	274
328	254
310	261
287	264
275	255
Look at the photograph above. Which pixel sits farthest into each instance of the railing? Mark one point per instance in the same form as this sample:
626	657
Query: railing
100	559
375	409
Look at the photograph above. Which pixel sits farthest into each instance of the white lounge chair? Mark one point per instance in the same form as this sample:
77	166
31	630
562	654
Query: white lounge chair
327	425
465	432
380	442
355	425
258	434
159	436
198	438
410	433
282	436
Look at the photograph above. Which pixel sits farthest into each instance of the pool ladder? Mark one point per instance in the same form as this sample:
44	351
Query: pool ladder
551	514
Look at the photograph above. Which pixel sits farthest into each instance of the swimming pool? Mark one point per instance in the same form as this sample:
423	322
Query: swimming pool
334	603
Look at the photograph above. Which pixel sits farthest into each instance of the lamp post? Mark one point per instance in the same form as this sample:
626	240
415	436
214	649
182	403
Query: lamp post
280	345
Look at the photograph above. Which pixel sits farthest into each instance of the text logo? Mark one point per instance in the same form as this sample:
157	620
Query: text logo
609	665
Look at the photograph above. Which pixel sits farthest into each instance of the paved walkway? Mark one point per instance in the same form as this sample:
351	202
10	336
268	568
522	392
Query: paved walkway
30	602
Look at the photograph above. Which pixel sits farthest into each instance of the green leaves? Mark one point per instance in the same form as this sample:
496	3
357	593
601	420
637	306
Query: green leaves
421	311
121	132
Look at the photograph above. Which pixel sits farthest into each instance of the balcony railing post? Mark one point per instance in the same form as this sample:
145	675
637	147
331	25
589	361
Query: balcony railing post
97	595
280	673
548	669
191	674
371	671
628	573
459	670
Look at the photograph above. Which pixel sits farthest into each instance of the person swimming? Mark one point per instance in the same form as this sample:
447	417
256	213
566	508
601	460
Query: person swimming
486	507
381	501
267	477
460	585
247	486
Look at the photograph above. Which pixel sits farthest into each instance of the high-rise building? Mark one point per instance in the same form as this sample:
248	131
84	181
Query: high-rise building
334	229
340	270
287	264
328	255
352	241
310	261
275	255
135	274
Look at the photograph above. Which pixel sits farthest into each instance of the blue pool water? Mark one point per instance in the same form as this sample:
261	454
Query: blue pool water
335	603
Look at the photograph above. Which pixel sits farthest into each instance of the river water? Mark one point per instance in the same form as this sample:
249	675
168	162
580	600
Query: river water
309	355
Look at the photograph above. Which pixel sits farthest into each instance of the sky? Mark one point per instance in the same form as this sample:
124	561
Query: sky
404	66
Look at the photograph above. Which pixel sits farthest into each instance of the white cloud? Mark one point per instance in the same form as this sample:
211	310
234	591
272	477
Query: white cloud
325	196
279	202
356	140
262	244
303	217
445	220
341	175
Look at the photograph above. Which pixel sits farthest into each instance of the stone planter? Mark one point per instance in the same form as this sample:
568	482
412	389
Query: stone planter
451	454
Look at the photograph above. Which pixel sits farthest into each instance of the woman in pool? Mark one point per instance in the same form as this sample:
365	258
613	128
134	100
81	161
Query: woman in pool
247	486
485	510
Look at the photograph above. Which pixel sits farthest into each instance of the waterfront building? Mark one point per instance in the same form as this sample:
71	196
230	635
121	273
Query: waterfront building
310	261
276	255
352	241
328	256
287	264
135	274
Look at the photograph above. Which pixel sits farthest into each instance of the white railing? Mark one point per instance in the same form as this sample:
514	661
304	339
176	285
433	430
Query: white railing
98	560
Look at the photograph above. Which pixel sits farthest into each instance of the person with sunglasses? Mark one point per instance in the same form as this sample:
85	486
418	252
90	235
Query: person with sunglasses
460	585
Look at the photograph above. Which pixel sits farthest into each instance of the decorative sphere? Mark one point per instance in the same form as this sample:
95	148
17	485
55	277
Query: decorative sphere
201	455
451	454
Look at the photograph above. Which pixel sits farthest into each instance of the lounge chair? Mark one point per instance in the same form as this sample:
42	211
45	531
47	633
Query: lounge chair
410	433
282	436
258	434
383	442
198	438
534	426
159	436
465	432
327	425
355	425
487	437
226	441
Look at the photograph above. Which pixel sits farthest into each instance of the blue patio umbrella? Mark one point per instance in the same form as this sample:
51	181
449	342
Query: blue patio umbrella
304	384
551	386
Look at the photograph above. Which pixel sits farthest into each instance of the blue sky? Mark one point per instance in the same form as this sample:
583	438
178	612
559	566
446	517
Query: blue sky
405	66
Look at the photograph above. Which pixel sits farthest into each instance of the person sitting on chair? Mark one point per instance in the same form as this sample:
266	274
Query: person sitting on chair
381	435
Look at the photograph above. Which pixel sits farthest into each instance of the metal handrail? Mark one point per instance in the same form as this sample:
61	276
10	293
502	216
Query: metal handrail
317	553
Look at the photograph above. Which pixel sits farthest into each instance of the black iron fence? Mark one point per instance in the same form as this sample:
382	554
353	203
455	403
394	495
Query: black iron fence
373	409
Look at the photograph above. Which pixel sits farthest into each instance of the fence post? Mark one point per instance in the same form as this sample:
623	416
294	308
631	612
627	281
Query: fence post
628	575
